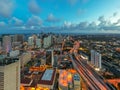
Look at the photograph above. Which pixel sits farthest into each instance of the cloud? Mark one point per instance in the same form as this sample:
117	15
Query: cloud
34	7
2	24
6	8
51	18
103	22
112	23
82	25
101	19
115	14
15	21
67	24
34	21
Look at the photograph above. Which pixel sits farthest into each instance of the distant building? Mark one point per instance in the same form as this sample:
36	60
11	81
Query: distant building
47	41
60	39
14	53
92	56
30	41
25	57
10	74
43	61
38	43
55	60
96	59
49	57
7	44
48	79
18	38
0	44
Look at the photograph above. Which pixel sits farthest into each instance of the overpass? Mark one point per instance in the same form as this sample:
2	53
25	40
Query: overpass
91	78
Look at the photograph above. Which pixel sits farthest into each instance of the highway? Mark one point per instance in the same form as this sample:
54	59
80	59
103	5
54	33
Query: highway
92	79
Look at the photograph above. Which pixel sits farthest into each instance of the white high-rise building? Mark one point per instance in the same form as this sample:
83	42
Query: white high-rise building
92	56
10	75
7	44
38	43
96	59
47	42
30	41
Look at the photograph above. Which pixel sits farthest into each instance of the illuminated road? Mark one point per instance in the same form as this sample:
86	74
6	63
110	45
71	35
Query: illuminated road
88	74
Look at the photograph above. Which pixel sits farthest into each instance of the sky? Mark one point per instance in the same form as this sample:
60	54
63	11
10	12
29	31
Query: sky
67	16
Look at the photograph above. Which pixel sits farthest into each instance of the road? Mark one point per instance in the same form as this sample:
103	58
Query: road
92	79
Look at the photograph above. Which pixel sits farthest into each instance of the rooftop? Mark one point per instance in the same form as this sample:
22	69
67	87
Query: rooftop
25	80
48	77
7	61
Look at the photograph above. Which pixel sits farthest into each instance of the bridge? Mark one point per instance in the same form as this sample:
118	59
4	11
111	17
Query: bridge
91	78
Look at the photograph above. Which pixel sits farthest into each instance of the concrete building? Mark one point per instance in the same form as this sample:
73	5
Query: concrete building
96	59
55	61
47	41
76	81
92	56
25	57
38	43
43	61
18	38
10	74
7	44
30	41
0	44
14	53
49	57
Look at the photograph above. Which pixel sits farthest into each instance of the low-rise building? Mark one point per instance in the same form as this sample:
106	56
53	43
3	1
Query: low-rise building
48	79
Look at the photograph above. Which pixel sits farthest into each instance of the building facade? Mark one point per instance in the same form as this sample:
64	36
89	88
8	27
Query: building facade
7	44
96	59
10	76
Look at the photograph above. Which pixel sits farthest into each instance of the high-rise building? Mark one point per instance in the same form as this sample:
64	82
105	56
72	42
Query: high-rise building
55	61
30	41
18	38
47	41
76	80
7	44
96	58
9	74
49	57
38	43
25	58
92	56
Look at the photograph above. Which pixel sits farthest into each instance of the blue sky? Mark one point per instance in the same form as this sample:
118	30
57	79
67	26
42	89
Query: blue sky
77	16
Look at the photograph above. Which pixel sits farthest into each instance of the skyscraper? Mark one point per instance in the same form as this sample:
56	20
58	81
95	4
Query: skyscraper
30	41
47	41
49	57
9	74
7	44
38	43
96	58
18	38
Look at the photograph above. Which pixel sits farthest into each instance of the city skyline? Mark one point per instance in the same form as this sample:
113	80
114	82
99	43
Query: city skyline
59	16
